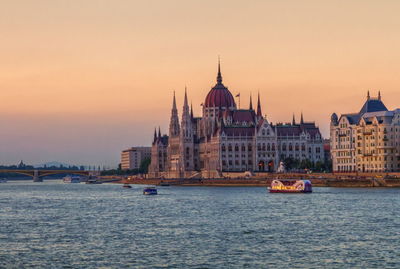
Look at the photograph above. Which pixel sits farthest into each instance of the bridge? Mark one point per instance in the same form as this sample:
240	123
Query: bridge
38	175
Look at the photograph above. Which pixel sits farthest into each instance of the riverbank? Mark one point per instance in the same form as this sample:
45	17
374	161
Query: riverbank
243	182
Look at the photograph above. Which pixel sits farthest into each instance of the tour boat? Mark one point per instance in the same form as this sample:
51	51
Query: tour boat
72	179
290	186
150	191
127	186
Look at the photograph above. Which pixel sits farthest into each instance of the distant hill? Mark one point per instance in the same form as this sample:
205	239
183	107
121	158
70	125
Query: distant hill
50	164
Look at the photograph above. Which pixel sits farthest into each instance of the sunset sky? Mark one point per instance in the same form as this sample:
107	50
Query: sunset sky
82	80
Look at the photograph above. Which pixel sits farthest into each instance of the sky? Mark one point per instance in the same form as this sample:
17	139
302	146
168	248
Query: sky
82	80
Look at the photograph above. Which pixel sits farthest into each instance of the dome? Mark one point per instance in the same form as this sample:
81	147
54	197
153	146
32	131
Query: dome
219	95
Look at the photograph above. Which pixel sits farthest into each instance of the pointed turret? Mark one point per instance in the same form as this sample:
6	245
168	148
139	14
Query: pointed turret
185	101
219	76
155	135
301	119
368	95
251	103
191	110
293	120
174	122
379	95
186	120
159	132
259	113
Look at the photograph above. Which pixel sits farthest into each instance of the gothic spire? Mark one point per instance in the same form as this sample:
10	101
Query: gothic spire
293	120
301	119
259	113
174	122
185	101
174	103
159	132
155	135
191	110
368	95
251	103
379	95
219	76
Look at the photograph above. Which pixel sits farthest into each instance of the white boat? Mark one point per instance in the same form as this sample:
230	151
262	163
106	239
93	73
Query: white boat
72	179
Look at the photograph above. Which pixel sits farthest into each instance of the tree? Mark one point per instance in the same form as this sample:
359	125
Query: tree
144	165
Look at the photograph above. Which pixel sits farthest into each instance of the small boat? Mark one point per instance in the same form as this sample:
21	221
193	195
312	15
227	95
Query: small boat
127	186
150	191
93	181
72	179
290	186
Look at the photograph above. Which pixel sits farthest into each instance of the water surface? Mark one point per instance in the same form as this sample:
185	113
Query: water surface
57	225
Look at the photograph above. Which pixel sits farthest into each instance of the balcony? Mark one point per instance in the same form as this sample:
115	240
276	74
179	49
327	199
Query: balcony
367	133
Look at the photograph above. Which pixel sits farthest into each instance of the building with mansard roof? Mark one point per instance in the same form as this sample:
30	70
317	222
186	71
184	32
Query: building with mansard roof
367	141
229	139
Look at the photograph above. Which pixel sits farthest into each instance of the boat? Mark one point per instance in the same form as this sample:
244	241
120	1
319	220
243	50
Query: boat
127	186
93	181
150	191
3	180
290	186
72	179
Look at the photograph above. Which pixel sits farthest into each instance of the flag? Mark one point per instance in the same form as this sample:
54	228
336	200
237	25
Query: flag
237	95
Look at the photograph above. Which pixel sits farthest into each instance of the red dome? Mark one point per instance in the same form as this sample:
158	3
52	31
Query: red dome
219	96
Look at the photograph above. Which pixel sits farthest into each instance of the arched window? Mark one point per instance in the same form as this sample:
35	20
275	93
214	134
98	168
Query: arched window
243	147
284	147
268	147
273	146
223	148
236	147
290	147
229	147
263	146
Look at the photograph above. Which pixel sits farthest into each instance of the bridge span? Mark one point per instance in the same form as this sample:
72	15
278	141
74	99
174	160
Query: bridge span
38	174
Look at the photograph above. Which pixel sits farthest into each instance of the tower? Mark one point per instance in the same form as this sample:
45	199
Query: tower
174	128
186	137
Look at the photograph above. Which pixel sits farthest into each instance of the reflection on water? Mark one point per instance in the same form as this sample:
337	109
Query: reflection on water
54	225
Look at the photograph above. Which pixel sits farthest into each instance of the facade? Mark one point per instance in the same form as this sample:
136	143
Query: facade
131	158
228	139
367	141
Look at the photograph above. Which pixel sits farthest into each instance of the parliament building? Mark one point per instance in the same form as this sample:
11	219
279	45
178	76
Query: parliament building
228	139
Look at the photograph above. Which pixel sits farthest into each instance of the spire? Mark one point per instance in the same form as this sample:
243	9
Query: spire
379	95
174	103
301	119
155	135
191	110
185	101
251	103
159	132
259	113
368	95
219	76
293	120
174	122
